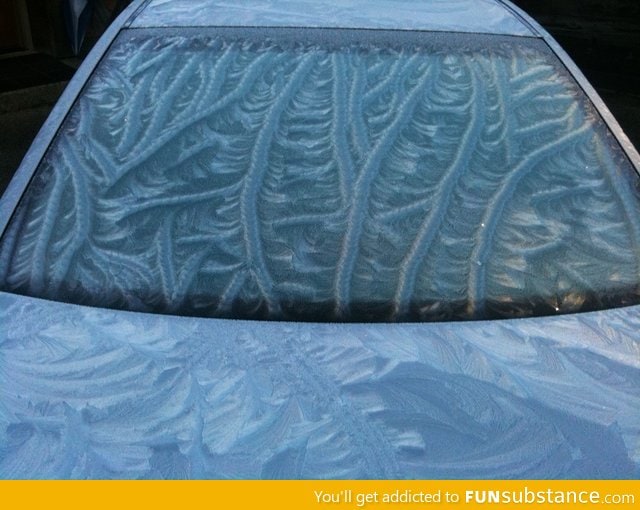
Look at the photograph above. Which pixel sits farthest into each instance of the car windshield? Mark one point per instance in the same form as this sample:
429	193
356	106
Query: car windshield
330	175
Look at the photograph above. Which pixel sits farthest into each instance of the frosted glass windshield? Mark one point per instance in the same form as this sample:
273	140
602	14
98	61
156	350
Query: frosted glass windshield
330	175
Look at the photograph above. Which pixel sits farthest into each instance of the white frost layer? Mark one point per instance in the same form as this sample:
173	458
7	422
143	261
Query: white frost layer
204	175
93	393
484	16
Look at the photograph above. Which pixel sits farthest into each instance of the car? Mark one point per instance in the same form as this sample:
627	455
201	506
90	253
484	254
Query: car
323	239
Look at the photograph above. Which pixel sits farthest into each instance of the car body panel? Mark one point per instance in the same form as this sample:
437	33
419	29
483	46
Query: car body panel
96	393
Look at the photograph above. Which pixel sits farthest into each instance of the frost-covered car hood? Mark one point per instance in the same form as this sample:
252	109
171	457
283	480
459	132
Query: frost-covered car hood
90	393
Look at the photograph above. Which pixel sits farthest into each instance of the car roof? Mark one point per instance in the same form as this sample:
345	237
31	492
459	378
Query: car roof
472	16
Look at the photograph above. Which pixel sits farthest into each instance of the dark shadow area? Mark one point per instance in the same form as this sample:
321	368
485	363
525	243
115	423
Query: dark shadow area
31	71
415	398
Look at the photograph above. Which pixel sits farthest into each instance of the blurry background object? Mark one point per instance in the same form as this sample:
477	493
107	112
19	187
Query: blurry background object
76	15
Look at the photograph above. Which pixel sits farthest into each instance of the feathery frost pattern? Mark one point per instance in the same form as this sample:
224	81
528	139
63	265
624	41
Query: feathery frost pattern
233	175
95	393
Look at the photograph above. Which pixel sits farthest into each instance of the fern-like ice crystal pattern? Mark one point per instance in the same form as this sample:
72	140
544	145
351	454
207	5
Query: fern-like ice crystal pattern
216	175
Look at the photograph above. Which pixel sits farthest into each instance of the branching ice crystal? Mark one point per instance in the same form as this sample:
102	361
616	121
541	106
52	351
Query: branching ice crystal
222	175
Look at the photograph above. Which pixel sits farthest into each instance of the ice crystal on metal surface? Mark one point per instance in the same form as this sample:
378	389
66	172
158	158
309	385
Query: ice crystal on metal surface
94	393
485	16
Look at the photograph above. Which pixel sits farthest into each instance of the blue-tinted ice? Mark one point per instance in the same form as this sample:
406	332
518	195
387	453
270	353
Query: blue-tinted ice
475	16
371	176
95	393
